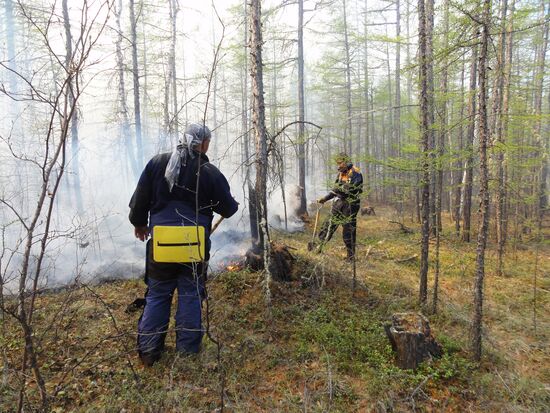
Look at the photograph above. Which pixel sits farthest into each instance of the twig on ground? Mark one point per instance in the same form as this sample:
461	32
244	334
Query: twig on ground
408	259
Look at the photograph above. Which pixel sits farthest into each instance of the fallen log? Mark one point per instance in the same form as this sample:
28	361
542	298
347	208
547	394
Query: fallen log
411	339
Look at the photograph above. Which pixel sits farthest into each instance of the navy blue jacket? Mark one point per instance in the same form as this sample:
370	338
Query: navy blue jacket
153	204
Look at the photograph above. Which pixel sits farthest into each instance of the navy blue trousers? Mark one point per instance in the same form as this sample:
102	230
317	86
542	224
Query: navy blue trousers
153	324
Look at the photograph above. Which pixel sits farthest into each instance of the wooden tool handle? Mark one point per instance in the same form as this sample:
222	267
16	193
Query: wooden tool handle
216	225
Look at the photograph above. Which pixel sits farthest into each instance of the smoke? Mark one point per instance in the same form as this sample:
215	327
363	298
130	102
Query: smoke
96	241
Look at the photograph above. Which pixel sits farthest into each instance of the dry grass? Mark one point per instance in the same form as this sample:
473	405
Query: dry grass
320	347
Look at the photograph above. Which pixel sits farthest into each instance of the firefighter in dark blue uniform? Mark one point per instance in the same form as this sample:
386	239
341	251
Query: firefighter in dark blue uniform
181	188
347	191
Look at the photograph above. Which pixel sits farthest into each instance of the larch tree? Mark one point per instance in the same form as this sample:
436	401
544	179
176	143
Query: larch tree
174	120
500	114
542	142
483	218
122	110
260	135
443	132
135	76
469	165
426	124
348	135
302	209
73	83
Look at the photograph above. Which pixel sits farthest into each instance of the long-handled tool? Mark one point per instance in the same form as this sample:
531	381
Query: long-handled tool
216	225
311	244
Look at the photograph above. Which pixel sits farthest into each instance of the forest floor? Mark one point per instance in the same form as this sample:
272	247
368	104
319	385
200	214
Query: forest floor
321	347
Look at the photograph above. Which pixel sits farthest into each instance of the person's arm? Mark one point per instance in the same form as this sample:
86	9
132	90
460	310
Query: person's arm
140	203
223	202
332	194
327	197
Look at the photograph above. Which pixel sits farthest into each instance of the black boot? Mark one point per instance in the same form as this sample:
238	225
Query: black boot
149	358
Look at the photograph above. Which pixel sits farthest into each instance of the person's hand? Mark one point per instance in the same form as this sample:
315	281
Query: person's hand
142	233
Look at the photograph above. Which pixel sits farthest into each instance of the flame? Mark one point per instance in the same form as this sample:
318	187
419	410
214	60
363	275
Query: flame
235	266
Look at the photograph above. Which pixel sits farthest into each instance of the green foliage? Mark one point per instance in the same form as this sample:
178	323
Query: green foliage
353	339
234	282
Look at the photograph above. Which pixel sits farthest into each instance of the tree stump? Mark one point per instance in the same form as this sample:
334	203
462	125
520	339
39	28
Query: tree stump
411	339
368	210
281	261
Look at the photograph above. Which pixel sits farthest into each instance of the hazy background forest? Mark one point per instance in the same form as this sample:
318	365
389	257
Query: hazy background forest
444	105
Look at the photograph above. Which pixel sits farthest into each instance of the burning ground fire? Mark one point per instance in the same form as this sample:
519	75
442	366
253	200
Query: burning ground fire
235	266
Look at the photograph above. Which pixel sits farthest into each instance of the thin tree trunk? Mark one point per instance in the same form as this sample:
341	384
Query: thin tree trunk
349	134
368	149
10	43
174	124
542	143
440	152
397	111
135	74
123	106
74	119
459	164
214	145
426	99
302	209
245	126
143	75
468	181
431	111
505	50
483	218
260	133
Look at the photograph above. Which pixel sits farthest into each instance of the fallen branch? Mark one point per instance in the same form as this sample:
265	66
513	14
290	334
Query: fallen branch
404	229
411	258
368	252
